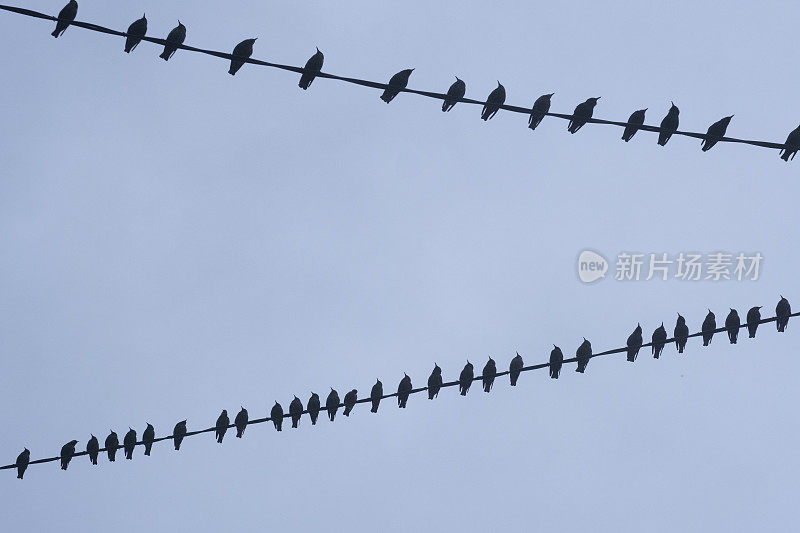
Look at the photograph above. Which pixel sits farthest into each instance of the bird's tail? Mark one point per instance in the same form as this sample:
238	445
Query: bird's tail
781	325
785	155
387	96
165	55
19	475
463	391
374	409
147	451
94	460
294	423
54	34
662	140
752	334
304	83
514	380
446	106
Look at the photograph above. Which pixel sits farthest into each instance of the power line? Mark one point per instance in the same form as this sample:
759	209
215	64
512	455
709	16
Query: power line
413	391
378	85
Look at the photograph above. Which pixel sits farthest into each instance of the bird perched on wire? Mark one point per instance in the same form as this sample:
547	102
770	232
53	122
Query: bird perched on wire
241	420
583	112
434	382
375	395
136	31
681	333
634	343
276	414
540	109
732	324
350	400
397	83
489	373
709	325
634	122
147	438
659	340
313	407
221	427
111	445
584	353
67	451
753	319
332	403
669	125
174	40
465	378
296	411
455	93
403	391
93	449
495	99
556	362
22	462
715	132
65	17
515	368
178	434
782	312
792	145
312	68
241	53
129	443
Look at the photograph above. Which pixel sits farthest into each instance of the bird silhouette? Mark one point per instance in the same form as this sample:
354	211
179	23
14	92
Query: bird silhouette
634	343
455	93
709	325
22	462
241	52
634	122
465	378
332	403
65	17
782	312
556	361
583	112
659	340
515	368
375	395
296	411
111	445
753	319
540	109
67	451
669	125
732	323
681	333
403	390
93	449
147	438
136	31
434	382
488	375
241	420
313	407
350	400
312	68
174	40
792	145
129	442
495	99
178	433
715	132
221	427
396	83
276	414
584	353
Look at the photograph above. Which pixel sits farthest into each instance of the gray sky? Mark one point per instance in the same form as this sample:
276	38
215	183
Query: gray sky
177	241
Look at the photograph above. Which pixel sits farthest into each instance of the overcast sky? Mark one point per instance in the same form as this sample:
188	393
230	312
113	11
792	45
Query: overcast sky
176	241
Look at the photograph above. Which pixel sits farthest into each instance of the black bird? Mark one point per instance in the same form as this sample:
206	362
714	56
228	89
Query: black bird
715	132
540	109
403	390
792	145
681	333
753	318
489	373
396	83
276	414
312	68
147	438
583	112
241	420
350	400
93	448
129	442
556	360
634	343
221	427
634	121
241	52
313	407
67	451
332	403
375	395
434	382
515	368
296	411
22	462
65	18
732	324
495	99
465	378
782	312
111	445
584	353
455	93
659	340
709	325
174	40
669	125
136	31
178	433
